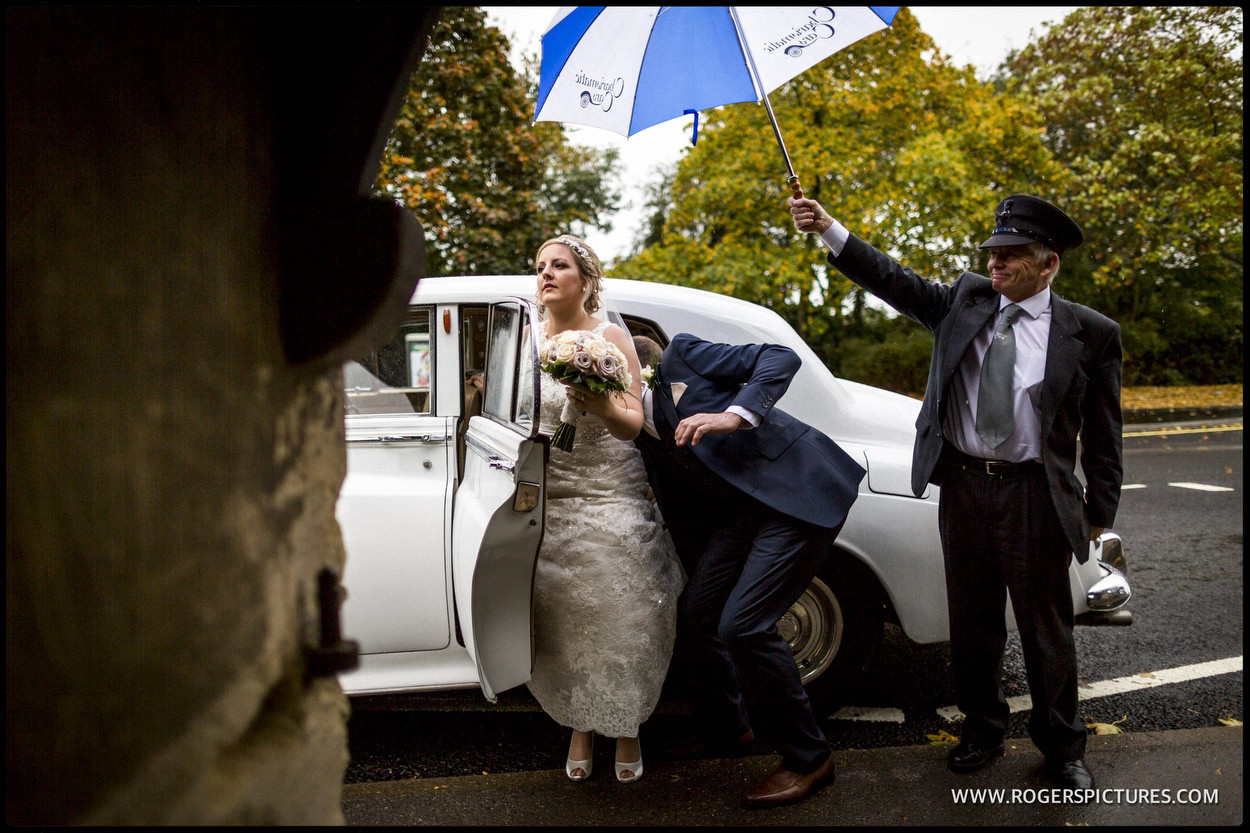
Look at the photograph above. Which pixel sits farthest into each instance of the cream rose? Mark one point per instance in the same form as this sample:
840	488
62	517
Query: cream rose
597	348
565	350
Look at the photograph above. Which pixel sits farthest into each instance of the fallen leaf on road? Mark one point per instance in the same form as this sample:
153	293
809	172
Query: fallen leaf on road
942	736
1107	728
1104	728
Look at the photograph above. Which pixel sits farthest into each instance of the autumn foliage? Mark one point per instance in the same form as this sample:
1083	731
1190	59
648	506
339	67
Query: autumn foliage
487	185
1131	118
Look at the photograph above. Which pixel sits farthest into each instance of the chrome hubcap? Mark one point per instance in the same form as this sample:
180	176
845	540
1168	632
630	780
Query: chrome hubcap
813	626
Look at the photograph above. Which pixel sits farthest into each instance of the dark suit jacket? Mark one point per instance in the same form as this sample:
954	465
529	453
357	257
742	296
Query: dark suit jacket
784	463
1080	393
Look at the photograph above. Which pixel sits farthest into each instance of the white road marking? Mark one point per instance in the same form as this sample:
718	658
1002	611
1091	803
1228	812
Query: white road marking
1120	685
1201	487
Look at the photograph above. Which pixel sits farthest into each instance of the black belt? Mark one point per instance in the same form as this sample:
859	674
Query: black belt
994	468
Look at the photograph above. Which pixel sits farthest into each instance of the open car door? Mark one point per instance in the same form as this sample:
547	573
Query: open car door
497	522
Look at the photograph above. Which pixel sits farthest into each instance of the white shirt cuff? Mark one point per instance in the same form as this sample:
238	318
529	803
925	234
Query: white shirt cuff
752	418
835	237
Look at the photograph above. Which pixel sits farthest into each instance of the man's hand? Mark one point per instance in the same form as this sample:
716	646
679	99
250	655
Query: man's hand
809	217
1095	531
694	428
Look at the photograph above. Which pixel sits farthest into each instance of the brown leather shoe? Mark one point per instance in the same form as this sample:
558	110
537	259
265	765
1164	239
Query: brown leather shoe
785	787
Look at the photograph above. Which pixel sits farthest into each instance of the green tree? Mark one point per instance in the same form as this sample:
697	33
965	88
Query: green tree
487	185
1145	107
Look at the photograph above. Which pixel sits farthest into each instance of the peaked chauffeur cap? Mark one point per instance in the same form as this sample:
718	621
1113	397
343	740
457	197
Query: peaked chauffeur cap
1022	219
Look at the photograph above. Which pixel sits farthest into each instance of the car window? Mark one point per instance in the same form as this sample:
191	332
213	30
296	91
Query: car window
642	327
473	339
509	394
398	377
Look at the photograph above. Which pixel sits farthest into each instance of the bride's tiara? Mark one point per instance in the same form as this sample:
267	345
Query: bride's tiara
575	246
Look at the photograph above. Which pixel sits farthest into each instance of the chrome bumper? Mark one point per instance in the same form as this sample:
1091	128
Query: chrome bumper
1108	596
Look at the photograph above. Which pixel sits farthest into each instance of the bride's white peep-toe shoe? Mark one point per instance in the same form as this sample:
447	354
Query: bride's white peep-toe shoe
571	767
634	770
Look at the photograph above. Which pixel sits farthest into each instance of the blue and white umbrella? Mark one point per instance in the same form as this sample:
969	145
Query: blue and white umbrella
627	68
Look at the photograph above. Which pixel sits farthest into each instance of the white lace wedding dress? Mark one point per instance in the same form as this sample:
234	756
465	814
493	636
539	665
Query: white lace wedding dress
606	584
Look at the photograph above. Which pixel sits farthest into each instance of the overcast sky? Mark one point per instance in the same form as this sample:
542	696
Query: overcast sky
969	35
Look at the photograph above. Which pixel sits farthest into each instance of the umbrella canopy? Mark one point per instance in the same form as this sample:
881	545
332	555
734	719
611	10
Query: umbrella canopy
627	68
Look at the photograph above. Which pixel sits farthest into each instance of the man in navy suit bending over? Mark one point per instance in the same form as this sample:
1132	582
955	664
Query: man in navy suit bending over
762	496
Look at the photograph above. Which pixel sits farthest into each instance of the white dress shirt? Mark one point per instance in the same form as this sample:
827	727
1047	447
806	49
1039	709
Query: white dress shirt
1032	330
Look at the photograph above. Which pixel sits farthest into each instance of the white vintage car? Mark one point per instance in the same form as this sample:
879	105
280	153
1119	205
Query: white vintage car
442	512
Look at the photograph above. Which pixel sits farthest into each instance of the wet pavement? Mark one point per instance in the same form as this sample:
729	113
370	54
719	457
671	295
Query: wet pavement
1177	778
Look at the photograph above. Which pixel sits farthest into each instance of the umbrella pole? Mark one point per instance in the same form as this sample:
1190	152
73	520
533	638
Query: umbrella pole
795	188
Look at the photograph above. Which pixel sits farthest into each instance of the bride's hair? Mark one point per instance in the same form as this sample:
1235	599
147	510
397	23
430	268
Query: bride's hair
587	265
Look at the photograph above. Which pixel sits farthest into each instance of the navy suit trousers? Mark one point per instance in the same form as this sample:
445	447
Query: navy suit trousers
757	563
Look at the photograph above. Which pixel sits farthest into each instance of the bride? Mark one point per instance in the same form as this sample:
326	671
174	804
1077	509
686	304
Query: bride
607	579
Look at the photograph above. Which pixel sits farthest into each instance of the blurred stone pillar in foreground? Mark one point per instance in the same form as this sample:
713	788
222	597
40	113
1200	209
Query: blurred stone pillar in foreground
190	253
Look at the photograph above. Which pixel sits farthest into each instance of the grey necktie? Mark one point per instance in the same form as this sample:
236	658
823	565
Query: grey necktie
995	420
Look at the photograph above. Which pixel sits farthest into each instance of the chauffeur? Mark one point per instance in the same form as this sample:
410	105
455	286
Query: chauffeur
1012	510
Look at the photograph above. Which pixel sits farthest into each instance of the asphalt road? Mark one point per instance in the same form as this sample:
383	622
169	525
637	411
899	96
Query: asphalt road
1176	667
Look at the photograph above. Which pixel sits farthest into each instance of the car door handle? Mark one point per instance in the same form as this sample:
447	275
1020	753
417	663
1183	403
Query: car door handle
501	463
403	438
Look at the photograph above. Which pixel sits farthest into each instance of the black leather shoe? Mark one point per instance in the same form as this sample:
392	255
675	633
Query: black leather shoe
1073	775
969	757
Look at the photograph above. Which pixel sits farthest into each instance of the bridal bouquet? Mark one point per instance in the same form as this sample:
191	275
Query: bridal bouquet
580	357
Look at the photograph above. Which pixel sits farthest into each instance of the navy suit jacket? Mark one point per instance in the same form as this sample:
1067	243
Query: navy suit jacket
1080	393
784	463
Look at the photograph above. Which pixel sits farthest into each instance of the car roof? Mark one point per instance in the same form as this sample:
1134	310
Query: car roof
817	396
472	288
709	315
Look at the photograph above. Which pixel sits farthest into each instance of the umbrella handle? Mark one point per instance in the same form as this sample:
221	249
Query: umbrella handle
795	188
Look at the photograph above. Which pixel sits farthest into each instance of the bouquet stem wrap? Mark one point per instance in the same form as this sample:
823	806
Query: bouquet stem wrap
566	431
583	358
